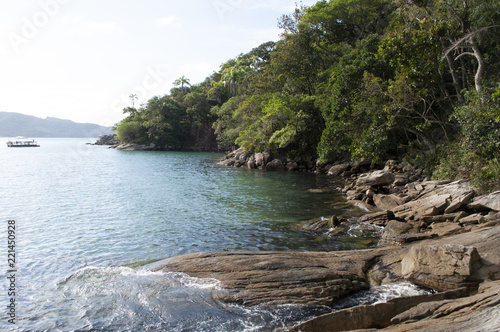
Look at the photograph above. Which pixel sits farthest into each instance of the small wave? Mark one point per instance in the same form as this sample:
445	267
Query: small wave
382	294
96	276
363	229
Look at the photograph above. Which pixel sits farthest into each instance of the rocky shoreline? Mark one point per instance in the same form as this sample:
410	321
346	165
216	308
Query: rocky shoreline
436	234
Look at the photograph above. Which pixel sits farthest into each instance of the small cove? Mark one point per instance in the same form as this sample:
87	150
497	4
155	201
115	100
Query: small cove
85	214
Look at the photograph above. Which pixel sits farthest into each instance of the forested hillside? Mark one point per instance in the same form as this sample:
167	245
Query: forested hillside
16	124
352	79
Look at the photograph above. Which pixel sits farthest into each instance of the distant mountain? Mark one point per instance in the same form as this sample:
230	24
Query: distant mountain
16	124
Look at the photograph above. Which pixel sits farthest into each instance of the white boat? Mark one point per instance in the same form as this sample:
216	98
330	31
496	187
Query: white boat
22	142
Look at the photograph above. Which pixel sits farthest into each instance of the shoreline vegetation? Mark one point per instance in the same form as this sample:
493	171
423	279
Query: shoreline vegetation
349	80
350	85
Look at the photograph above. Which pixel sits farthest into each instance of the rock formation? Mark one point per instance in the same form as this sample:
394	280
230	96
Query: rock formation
437	234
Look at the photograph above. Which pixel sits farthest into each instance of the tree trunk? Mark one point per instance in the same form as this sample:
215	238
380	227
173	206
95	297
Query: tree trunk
480	68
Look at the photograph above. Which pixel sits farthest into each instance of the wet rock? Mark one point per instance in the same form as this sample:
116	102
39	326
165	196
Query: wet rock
274	278
339	169
275	165
315	225
363	206
292	166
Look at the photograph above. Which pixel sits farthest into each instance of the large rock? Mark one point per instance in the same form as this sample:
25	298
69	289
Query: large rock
441	267
487	202
479	312
251	278
399	233
437	198
275	165
446	229
339	169
378	218
371	316
376	179
387	202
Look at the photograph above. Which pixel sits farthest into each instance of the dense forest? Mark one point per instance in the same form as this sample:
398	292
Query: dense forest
417	80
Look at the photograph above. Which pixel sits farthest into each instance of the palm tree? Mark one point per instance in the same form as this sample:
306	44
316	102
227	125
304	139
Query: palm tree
182	81
217	90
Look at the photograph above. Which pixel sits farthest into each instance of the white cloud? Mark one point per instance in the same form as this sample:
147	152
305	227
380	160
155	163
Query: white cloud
170	21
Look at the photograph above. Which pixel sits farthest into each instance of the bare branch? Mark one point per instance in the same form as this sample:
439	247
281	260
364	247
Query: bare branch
466	37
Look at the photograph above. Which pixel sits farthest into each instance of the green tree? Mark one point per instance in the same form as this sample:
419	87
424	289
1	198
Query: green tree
182	82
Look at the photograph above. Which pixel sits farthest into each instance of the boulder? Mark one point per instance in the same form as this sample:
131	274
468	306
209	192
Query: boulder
487	202
435	198
336	170
446	228
423	207
376	179
387	202
473	219
261	159
459	201
378	218
292	166
479	312
401	180
107	140
252	278
399	233
440	267
378	315
275	165
363	206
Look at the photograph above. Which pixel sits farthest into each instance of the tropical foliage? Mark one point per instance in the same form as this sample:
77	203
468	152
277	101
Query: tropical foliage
349	79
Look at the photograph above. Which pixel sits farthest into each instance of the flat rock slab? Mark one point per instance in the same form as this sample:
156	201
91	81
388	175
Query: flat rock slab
251	278
322	278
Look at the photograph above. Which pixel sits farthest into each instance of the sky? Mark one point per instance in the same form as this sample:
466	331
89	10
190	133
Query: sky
81	59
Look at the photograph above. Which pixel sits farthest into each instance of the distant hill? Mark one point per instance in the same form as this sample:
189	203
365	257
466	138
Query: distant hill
16	124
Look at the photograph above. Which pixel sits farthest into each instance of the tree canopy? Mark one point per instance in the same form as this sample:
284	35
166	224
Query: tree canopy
349	79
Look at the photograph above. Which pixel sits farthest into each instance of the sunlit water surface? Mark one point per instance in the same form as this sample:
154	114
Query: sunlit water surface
87	216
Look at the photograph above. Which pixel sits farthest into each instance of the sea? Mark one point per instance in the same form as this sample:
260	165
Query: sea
81	224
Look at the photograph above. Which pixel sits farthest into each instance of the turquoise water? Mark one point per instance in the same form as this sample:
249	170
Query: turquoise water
85	213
